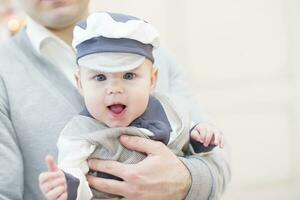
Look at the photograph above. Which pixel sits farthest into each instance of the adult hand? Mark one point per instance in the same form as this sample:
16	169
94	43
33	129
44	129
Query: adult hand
161	175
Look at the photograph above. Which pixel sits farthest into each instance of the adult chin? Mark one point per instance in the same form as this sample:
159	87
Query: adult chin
57	14
57	21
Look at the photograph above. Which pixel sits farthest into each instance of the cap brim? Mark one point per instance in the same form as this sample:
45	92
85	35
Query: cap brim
111	62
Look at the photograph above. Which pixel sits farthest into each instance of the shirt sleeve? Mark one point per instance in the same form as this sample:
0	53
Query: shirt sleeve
210	171
73	153
11	170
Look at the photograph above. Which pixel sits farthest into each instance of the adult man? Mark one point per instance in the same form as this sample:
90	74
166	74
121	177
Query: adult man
37	98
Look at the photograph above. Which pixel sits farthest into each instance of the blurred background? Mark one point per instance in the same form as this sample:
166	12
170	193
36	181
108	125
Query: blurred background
11	19
243	60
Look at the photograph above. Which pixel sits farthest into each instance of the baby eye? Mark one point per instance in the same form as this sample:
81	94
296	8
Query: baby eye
100	77
129	76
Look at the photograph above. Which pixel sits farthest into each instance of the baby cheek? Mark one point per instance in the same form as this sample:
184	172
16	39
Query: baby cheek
96	111
142	102
94	103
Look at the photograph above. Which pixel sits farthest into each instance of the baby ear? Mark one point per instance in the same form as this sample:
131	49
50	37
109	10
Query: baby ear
154	75
78	81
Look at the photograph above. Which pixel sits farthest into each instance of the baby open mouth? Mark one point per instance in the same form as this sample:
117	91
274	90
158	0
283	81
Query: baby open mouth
116	108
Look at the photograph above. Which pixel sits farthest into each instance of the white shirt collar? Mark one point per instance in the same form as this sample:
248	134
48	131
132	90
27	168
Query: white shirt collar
37	34
52	48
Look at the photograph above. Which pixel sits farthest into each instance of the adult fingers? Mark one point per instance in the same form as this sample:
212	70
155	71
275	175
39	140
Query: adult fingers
108	166
143	145
108	185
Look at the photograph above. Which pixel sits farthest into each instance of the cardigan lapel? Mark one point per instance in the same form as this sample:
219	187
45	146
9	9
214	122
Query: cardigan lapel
54	76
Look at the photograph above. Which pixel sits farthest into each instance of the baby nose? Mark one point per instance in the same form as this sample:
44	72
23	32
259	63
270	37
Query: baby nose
115	89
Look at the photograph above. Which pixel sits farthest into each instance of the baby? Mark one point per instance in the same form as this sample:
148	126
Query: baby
117	79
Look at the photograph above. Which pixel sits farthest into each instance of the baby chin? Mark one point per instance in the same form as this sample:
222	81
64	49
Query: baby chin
117	116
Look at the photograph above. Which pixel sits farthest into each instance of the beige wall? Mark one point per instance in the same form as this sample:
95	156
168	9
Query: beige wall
244	58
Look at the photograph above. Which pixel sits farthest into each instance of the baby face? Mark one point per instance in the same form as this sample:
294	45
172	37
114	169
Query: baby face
117	99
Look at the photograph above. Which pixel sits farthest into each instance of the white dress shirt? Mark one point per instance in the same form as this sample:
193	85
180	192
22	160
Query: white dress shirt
52	48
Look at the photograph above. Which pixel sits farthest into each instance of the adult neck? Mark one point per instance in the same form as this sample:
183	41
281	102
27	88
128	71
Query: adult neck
66	33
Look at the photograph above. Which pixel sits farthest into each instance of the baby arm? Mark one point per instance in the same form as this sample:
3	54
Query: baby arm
72	159
53	183
207	134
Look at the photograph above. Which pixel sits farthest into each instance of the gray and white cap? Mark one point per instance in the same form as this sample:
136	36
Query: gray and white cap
111	42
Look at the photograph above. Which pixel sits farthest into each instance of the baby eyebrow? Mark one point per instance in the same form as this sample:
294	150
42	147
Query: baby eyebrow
132	71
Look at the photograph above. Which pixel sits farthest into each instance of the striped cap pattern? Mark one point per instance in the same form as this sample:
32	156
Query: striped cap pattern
113	33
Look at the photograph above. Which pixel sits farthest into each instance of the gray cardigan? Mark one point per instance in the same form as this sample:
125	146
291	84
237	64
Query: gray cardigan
36	102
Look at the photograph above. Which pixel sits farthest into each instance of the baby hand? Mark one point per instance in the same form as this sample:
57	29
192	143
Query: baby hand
207	134
53	183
